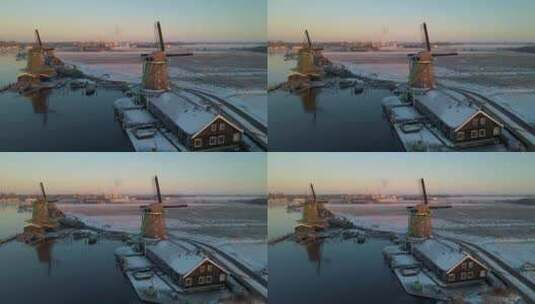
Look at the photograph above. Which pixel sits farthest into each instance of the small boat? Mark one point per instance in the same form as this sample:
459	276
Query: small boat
361	238
90	88
92	239
143	275
358	90
346	83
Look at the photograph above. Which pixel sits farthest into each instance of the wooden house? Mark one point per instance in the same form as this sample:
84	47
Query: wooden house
197	127
460	121
189	270
449	262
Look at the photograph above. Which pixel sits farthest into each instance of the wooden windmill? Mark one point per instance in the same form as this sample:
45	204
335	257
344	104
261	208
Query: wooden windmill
153	217
421	73
420	223
307	58
38	59
313	213
41	213
155	76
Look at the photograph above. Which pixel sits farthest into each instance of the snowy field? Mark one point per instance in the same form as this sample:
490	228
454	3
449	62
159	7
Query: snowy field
505	229
238	228
504	76
237	76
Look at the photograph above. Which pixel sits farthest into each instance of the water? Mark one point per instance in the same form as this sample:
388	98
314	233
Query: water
61	271
57	120
327	119
334	271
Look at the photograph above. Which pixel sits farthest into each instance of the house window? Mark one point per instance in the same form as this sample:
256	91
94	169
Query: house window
470	265
474	123
473	134
222	127
496	131
214	127
213	140
236	137
188	282
482	121
197	143
470	275
451	277
202	269
460	135
201	280
222	277
208	279
482	274
463	266
221	139
482	133
209	267
463	275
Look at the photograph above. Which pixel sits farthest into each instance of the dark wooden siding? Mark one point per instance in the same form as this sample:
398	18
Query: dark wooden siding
207	274
468	270
480	124
219	132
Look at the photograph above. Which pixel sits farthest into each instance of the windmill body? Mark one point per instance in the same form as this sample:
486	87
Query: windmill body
421	74
37	60
155	74
308	59
153	218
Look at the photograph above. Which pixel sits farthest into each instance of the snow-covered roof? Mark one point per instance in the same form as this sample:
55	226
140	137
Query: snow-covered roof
179	259
136	263
445	255
404	261
452	108
189	116
138	117
392	101
125	103
402	114
126	251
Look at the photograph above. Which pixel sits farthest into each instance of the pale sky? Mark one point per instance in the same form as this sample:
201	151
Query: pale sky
111	20
395	20
398	173
178	173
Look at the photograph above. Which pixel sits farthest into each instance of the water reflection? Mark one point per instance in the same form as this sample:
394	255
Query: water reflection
39	102
314	254
44	254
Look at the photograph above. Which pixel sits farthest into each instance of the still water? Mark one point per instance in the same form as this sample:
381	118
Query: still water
328	119
333	271
57	120
60	271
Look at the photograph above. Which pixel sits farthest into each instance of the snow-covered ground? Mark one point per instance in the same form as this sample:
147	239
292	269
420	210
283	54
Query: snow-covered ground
239	229
237	76
504	76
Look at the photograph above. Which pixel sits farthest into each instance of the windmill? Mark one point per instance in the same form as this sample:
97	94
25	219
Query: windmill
155	77
421	73
420	225
41	211
40	59
308	58
153	217
313	212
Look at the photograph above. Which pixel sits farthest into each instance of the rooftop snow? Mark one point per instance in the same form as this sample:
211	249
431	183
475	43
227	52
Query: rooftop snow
443	254
402	114
125	103
138	117
189	116
180	260
404	261
136	263
451	107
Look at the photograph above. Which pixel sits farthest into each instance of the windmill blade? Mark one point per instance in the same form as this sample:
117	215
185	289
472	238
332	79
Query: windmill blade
424	192
309	41
43	191
158	189
38	38
179	55
445	54
160	36
175	206
426	36
313	192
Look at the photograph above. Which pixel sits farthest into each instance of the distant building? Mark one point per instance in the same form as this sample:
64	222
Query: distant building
197	128
190	270
449	262
459	120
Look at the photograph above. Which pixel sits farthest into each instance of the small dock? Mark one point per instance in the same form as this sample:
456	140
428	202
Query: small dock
8	239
